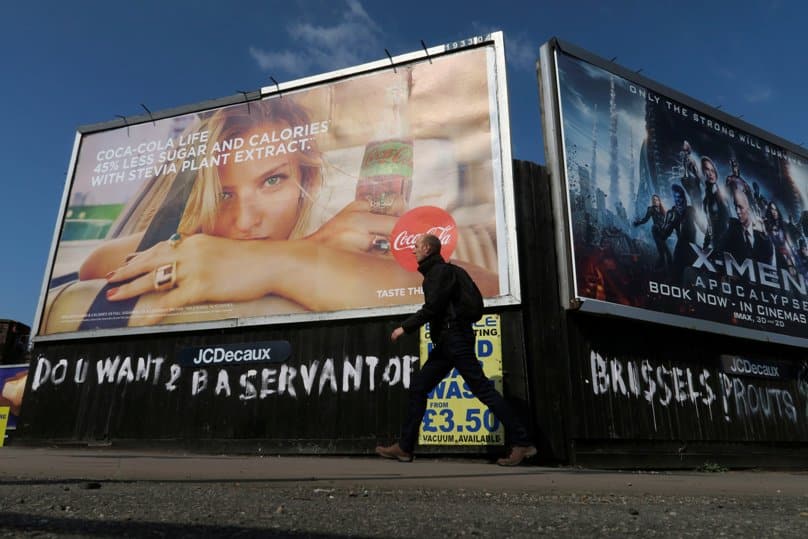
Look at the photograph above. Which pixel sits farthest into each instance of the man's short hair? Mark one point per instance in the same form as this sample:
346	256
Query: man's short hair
740	194
432	242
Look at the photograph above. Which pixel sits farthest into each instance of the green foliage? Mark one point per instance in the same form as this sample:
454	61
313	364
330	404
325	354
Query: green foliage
712	467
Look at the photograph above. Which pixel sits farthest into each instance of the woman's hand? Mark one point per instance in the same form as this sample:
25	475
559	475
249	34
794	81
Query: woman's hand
355	228
108	256
199	268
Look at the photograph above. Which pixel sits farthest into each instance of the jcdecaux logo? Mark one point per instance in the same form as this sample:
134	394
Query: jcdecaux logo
239	353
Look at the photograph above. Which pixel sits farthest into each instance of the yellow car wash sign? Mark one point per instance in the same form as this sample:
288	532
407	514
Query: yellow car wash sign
453	415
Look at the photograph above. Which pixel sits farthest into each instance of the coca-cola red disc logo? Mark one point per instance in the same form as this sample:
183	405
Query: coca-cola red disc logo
415	223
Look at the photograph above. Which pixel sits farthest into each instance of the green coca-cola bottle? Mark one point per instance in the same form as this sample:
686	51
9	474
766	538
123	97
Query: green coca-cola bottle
386	172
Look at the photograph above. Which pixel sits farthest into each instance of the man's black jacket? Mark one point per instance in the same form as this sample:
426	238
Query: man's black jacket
440	291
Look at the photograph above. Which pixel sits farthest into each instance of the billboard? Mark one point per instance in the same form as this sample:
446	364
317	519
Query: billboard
300	202
672	211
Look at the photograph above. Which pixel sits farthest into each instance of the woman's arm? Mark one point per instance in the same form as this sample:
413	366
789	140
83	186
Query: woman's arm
326	279
108	257
648	215
214	269
316	276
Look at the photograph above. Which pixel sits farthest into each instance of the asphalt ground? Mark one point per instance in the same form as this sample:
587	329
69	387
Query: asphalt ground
80	492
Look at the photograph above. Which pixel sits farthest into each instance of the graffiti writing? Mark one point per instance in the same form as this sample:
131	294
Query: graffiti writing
314	377
653	383
750	400
700	387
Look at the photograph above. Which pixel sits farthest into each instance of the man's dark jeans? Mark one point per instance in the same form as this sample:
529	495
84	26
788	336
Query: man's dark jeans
455	349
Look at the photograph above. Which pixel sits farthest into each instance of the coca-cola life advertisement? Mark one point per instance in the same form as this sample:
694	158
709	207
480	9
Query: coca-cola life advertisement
300	202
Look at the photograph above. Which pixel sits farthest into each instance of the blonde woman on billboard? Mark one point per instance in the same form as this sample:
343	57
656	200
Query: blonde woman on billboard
242	234
292	189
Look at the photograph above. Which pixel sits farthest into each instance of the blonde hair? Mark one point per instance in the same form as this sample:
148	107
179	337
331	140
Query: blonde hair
203	202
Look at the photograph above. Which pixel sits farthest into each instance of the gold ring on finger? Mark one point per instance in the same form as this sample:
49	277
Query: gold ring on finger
165	277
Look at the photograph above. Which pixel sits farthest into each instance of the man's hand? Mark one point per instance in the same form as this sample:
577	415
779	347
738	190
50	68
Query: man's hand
398	332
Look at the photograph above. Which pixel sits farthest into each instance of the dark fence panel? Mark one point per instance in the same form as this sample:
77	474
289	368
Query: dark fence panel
635	382
342	389
546	353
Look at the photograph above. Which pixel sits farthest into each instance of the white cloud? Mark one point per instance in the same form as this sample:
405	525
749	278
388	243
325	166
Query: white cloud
727	73
327	47
758	95
521	52
284	60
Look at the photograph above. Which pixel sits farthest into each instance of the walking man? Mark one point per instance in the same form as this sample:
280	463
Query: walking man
449	309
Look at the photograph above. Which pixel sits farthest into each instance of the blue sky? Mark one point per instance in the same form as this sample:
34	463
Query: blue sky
66	64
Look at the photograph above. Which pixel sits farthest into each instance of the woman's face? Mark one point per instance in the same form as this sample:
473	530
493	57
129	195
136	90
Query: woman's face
710	174
655	201
260	197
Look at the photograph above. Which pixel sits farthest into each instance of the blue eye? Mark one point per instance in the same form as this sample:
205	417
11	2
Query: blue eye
225	195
